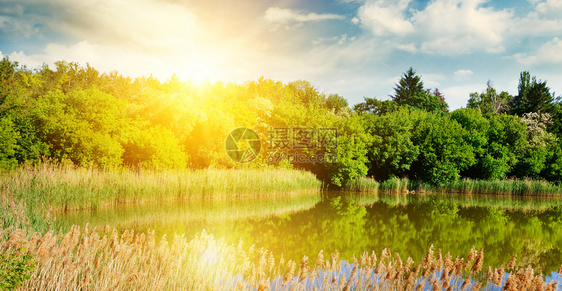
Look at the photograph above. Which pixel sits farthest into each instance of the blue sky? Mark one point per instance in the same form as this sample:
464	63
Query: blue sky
356	48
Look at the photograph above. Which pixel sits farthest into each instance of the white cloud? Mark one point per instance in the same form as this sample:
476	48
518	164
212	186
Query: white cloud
409	47
285	16
544	20
432	80
457	96
463	74
454	27
144	24
547	53
550	8
449	27
385	17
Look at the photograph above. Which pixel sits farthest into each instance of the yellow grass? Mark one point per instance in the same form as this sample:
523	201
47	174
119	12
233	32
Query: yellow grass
103	260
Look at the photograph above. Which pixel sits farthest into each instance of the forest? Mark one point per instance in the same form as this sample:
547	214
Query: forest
71	114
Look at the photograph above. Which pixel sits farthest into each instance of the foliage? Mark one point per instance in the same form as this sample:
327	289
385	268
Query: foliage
75	114
377	107
489	101
410	92
392	151
533	96
352	150
409	85
15	268
8	144
337	103
443	152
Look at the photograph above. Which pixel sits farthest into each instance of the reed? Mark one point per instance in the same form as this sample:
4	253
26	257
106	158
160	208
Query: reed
31	193
84	259
362	184
521	187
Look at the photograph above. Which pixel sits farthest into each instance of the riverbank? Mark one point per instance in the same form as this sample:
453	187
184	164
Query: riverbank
526	187
31	194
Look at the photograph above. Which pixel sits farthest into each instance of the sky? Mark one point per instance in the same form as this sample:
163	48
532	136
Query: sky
355	48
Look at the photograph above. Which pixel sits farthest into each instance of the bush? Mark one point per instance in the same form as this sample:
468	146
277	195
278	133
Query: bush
15	268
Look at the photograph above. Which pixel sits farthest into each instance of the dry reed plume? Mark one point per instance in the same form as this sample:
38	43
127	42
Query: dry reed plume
104	260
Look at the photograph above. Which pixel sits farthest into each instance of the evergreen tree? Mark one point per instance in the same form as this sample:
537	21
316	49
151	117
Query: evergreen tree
532	96
408	86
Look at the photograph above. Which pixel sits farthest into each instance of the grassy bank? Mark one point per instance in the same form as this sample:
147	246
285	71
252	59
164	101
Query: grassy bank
29	195
465	186
89	260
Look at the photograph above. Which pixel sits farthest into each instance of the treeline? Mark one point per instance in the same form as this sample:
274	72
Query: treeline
74	114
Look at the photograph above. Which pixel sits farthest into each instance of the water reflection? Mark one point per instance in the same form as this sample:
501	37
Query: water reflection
352	224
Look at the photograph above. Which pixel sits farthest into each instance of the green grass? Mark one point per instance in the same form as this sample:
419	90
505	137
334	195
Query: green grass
30	195
522	187
362	184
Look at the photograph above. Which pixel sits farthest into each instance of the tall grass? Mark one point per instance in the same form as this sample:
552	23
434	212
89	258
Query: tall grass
30	194
362	184
464	186
502	187
89	260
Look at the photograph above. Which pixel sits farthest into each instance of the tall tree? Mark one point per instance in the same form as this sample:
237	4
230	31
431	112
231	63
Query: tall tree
532	96
410	92
409	85
489	101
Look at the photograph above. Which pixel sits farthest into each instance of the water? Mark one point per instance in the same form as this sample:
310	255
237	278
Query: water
294	226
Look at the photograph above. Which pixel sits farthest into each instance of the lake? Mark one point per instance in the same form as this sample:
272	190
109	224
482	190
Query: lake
351	223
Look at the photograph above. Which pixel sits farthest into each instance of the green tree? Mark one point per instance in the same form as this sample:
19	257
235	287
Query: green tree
351	152
533	96
553	165
154	147
82	126
392	150
8	144
443	151
507	139
409	85
336	103
410	92
535	153
427	101
475	128
377	107
489	101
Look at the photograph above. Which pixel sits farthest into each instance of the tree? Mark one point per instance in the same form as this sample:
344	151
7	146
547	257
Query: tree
489	101
532	96
443	151
8	144
427	101
410	92
408	86
83	126
392	150
377	107
153	148
507	138
535	153
337	103
475	128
